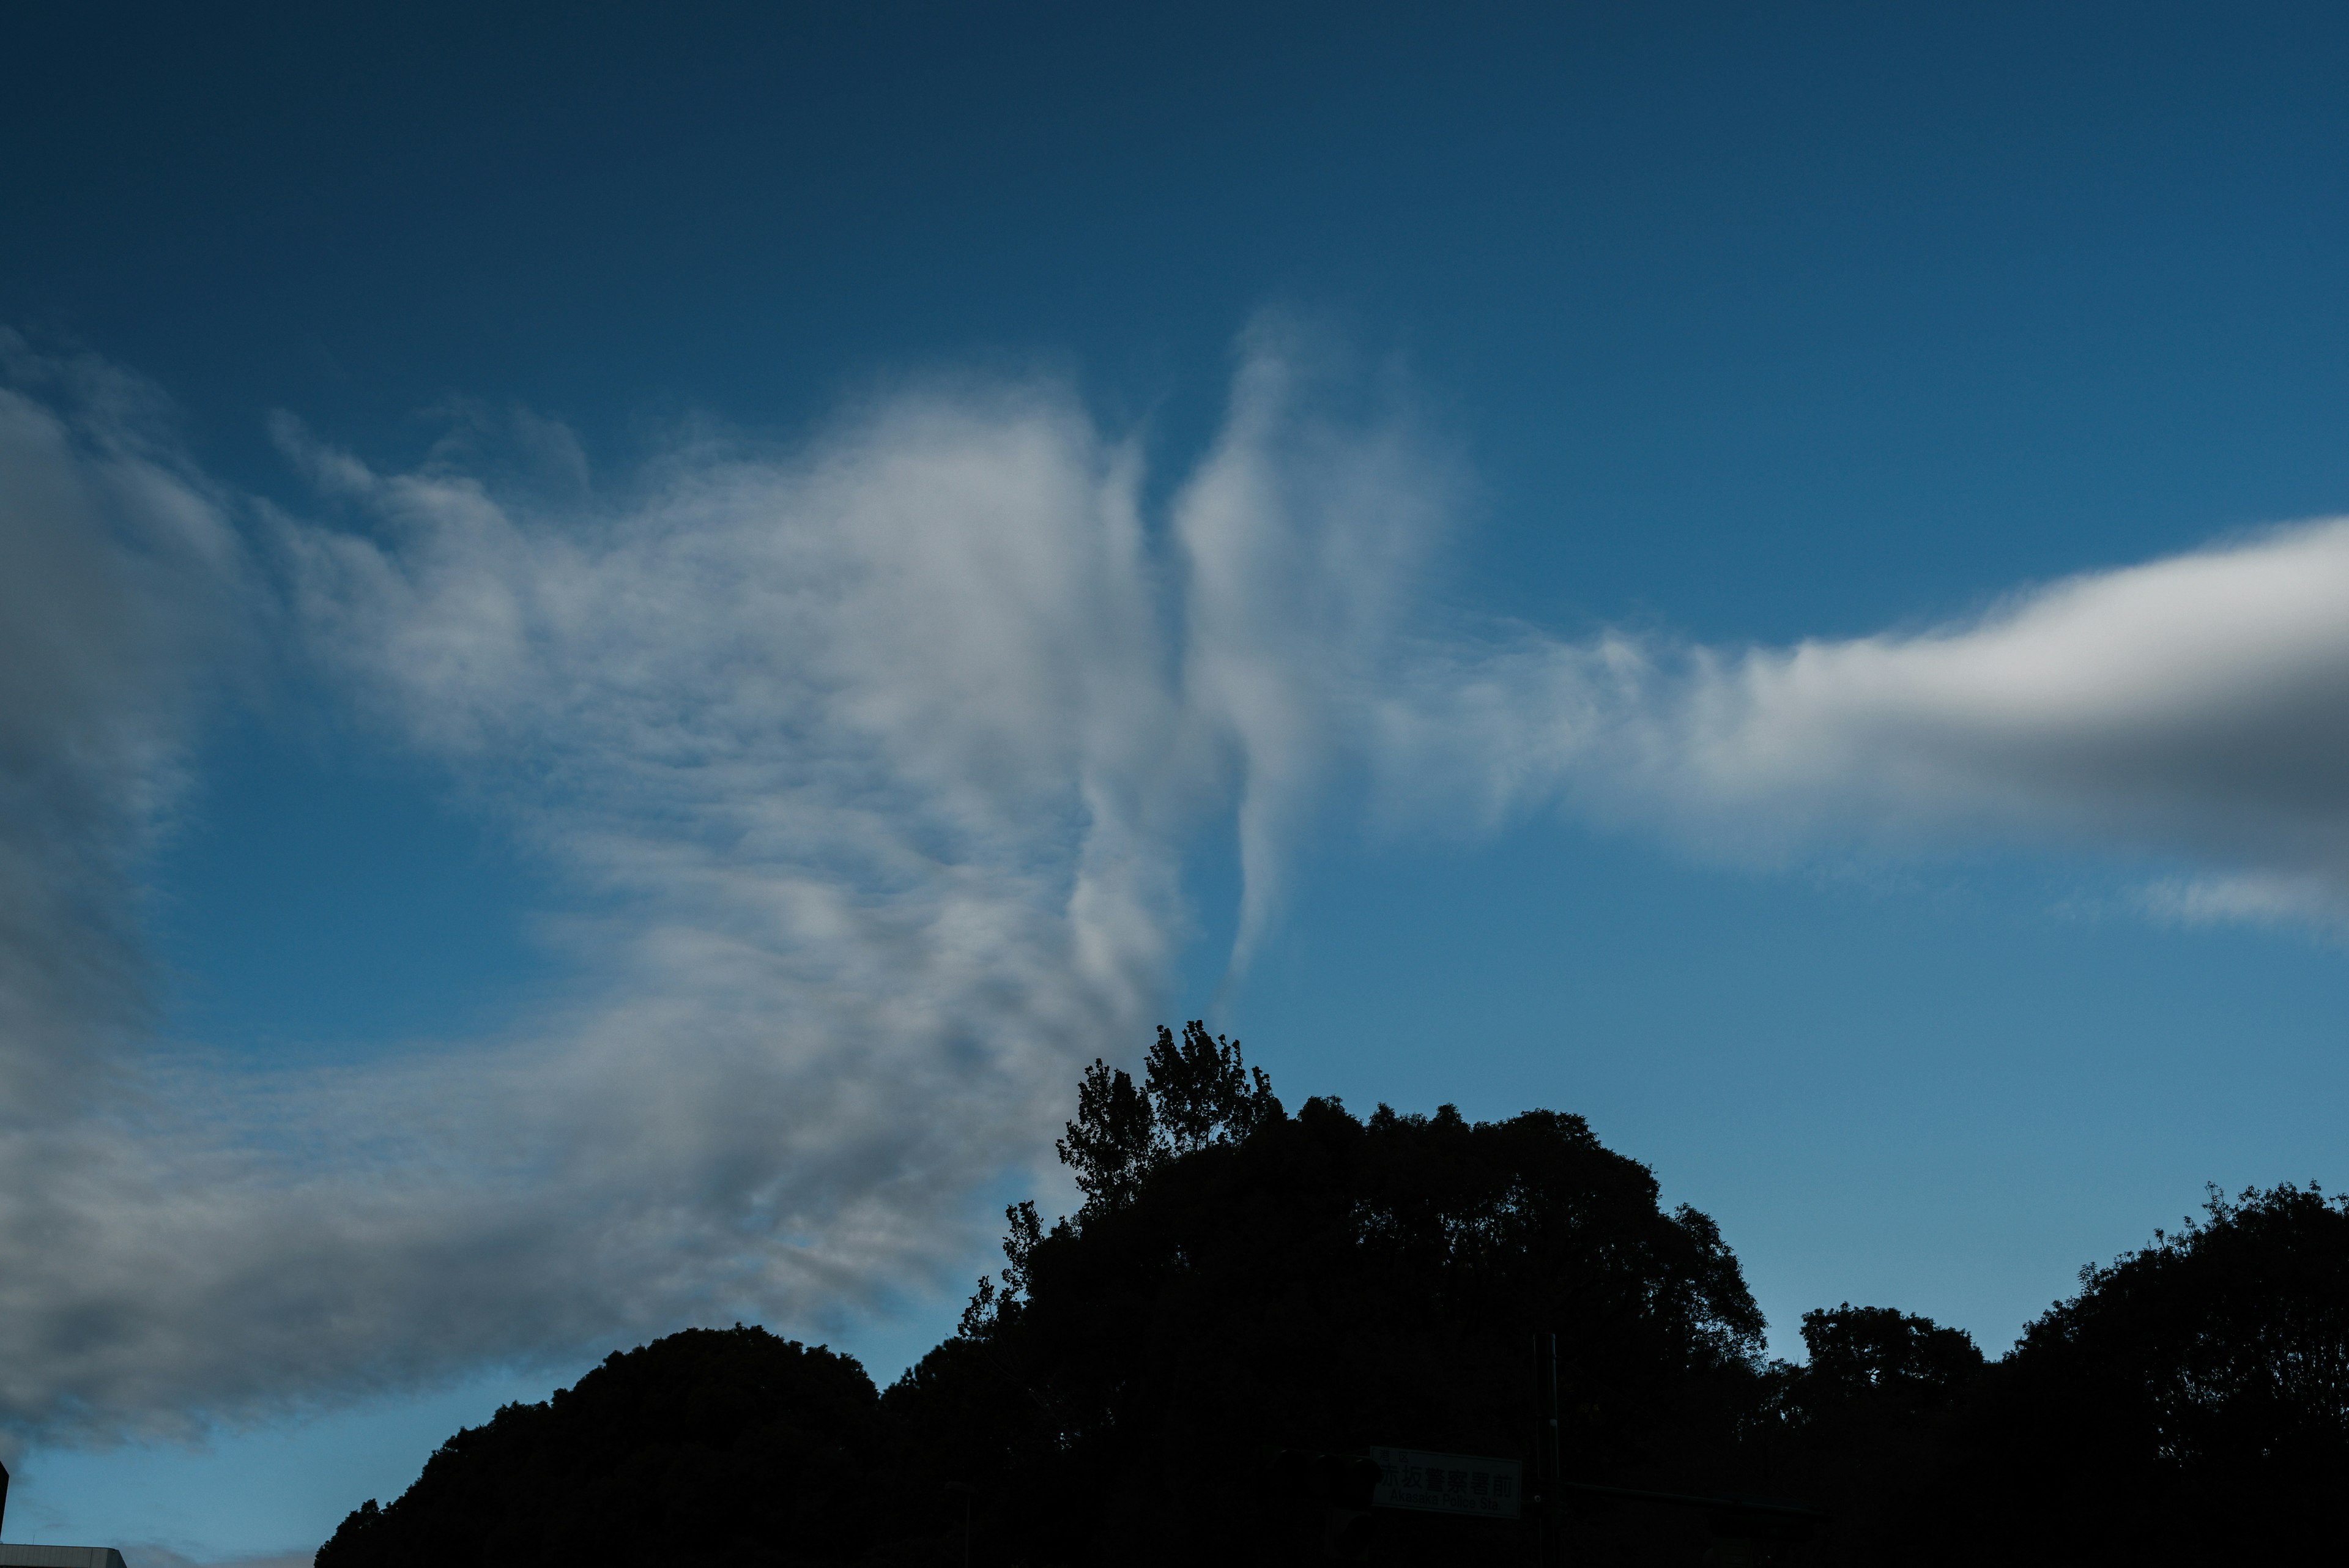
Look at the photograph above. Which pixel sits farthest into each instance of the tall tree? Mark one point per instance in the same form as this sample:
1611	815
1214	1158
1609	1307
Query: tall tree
1196	1091
1322	1281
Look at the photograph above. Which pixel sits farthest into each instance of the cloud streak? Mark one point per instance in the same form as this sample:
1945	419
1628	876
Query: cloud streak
121	573
2191	710
869	767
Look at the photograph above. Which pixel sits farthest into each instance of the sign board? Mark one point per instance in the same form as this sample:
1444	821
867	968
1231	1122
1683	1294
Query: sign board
1446	1483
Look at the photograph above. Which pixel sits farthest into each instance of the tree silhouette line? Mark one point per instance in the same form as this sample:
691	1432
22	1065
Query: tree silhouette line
1242	1285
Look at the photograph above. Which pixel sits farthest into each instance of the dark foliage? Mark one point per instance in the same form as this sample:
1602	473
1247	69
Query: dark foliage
1197	1093
1328	1283
2191	1404
1873	1358
725	1443
1853	1429
1240	1280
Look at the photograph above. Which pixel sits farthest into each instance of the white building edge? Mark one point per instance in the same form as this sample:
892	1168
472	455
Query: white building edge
12	1555
24	1556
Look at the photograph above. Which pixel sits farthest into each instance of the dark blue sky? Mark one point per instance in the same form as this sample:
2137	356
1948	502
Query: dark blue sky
1727	326
1774	323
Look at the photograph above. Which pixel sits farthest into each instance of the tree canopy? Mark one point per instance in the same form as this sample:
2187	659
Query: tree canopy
2191	1403
1238	1280
728	1442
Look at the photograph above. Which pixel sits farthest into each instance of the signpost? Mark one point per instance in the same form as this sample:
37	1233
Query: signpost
1447	1483
1486	1487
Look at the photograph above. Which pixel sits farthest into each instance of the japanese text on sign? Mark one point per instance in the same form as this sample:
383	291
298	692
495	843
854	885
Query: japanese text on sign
1446	1483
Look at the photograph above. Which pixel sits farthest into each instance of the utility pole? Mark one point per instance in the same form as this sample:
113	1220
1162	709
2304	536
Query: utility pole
1547	1467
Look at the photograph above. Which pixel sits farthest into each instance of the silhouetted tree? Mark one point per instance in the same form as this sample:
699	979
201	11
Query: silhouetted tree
1875	1356
1238	1277
1196	1091
714	1443
1856	1428
1203	1092
2190	1404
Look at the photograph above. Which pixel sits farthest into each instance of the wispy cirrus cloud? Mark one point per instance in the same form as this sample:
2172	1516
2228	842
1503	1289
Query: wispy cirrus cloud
122	572
868	764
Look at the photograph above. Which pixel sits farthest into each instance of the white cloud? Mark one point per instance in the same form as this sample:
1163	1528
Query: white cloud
120	570
2309	903
1304	541
872	764
2193	709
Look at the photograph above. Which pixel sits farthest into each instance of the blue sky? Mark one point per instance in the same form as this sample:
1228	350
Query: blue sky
629	636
